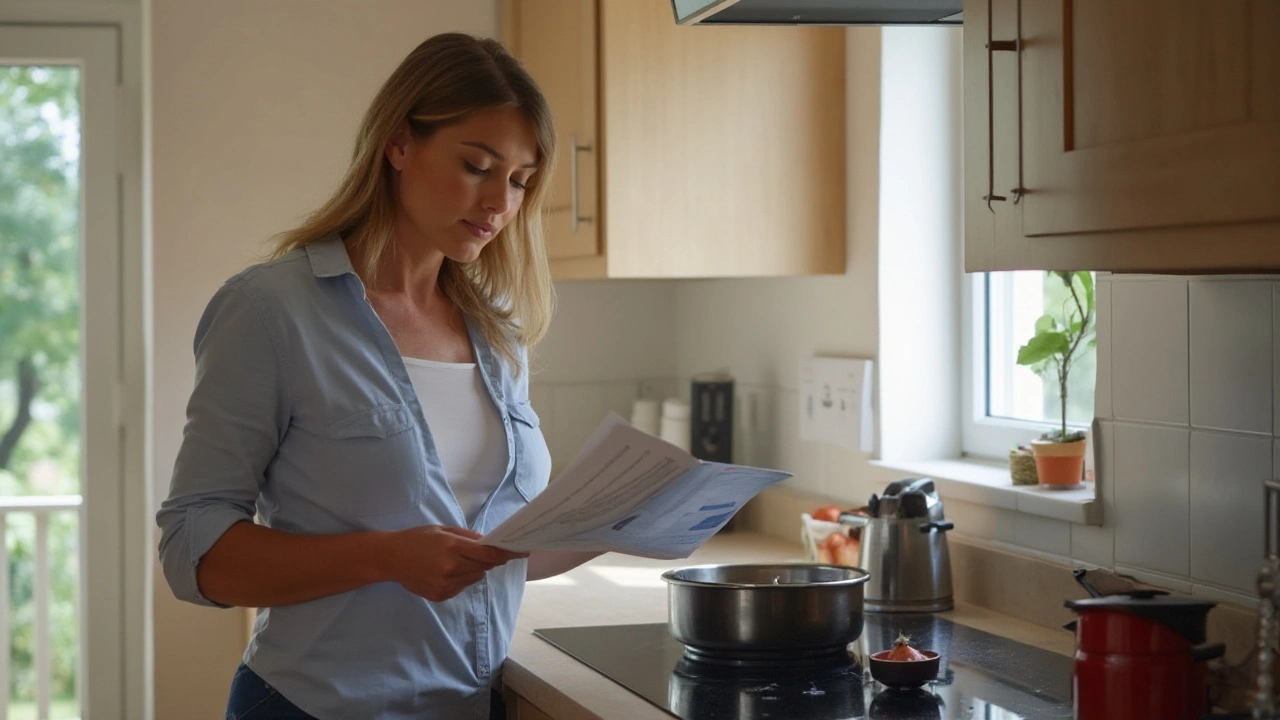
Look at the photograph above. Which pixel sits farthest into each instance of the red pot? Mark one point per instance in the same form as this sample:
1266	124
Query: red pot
1140	656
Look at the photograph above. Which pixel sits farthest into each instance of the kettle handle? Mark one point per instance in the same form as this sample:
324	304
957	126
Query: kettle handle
941	526
1207	652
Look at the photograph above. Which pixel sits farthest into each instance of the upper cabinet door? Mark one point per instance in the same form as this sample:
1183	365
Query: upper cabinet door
556	42
725	146
700	151
1122	135
1149	114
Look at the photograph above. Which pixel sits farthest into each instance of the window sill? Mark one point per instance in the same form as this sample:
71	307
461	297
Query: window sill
988	483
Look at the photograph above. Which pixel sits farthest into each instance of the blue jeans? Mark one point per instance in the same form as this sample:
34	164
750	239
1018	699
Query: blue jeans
253	699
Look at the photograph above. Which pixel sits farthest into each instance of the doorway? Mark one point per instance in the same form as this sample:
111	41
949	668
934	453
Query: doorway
61	370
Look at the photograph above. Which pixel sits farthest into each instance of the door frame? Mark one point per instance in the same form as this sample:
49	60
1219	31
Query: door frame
126	641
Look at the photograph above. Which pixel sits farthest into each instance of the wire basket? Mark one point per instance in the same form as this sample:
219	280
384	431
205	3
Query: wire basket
1022	467
815	535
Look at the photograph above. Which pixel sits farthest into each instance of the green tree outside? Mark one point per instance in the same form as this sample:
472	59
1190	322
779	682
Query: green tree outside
1084	368
40	385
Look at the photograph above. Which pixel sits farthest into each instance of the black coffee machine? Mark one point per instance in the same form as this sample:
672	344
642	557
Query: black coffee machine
711	417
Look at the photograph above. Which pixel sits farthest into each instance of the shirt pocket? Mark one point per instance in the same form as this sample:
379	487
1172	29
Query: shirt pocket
376	462
533	459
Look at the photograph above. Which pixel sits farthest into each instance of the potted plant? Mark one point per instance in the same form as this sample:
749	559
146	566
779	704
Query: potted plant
1058	343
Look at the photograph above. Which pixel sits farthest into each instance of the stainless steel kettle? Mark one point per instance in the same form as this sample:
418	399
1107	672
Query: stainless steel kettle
904	548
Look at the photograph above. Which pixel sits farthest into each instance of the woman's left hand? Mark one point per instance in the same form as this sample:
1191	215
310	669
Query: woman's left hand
437	562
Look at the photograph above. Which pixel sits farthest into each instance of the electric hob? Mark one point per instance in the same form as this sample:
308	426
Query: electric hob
981	677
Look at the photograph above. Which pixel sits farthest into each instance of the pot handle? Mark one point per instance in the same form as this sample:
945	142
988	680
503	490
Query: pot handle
1207	652
940	526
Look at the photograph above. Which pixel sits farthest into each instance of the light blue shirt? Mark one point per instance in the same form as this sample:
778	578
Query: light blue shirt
303	414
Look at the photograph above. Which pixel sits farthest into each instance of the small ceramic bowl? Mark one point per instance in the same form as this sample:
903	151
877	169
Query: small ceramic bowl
904	673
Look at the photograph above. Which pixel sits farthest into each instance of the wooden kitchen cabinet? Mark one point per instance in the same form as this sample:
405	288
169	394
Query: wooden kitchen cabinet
700	151
1141	135
519	708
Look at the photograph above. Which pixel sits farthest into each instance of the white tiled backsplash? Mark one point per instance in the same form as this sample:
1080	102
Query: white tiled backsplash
1186	396
569	411
1187	399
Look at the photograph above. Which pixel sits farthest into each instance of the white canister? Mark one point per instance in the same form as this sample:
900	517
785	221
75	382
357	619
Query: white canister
646	415
675	423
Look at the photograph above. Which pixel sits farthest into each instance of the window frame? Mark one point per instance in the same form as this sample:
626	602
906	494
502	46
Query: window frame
118	422
982	436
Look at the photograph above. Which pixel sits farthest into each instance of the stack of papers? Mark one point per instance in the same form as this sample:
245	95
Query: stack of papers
627	491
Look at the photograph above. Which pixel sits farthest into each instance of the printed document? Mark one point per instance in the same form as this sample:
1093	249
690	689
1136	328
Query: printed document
627	491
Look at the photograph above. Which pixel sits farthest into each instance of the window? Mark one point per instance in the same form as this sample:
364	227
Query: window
1006	404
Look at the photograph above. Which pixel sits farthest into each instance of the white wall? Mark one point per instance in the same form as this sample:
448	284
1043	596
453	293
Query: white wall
254	106
760	329
610	342
921	185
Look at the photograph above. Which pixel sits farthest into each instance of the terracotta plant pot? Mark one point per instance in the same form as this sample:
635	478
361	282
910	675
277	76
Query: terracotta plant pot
1060	465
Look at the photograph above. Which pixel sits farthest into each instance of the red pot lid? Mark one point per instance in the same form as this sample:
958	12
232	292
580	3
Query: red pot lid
1184	615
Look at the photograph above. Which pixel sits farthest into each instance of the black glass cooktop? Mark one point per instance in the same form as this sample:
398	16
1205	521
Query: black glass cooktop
982	676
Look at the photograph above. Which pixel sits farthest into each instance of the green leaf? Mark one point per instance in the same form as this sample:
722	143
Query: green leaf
1086	279
1046	323
1042	347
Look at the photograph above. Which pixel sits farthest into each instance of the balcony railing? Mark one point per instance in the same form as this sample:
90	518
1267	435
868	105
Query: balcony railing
43	507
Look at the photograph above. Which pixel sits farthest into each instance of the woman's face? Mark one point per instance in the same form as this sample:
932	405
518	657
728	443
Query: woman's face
456	189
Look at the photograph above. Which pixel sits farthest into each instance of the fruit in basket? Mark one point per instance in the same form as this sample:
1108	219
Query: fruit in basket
838	549
827	549
827	513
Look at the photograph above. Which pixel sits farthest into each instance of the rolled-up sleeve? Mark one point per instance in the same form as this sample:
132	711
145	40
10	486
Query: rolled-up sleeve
236	418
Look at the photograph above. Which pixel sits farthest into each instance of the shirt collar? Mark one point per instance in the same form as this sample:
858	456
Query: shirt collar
329	258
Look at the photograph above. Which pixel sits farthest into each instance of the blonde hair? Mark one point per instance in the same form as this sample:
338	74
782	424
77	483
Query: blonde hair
507	291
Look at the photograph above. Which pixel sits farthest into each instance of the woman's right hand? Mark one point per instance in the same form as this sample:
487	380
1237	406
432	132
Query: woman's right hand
437	562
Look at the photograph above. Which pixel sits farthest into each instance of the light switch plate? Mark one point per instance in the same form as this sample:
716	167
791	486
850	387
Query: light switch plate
835	402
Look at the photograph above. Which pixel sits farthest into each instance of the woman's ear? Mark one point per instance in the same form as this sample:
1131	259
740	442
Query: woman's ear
397	149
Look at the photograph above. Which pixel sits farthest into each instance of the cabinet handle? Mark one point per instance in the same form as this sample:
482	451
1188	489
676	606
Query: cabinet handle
573	181
994	46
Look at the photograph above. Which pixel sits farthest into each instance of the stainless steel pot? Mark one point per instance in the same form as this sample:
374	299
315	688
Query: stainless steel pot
765	607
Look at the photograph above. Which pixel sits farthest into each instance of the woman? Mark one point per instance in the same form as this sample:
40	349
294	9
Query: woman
365	394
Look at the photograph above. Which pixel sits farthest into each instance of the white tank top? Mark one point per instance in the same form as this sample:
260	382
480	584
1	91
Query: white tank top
465	426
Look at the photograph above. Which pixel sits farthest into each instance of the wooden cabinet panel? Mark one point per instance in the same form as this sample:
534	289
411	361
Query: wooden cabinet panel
725	146
556	41
1150	113
526	710
1145	134
715	152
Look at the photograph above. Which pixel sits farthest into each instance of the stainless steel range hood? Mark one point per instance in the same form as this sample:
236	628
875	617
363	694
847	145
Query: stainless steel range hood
817	12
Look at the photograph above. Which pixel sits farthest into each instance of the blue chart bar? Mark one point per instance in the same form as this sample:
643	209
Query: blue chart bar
711	521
